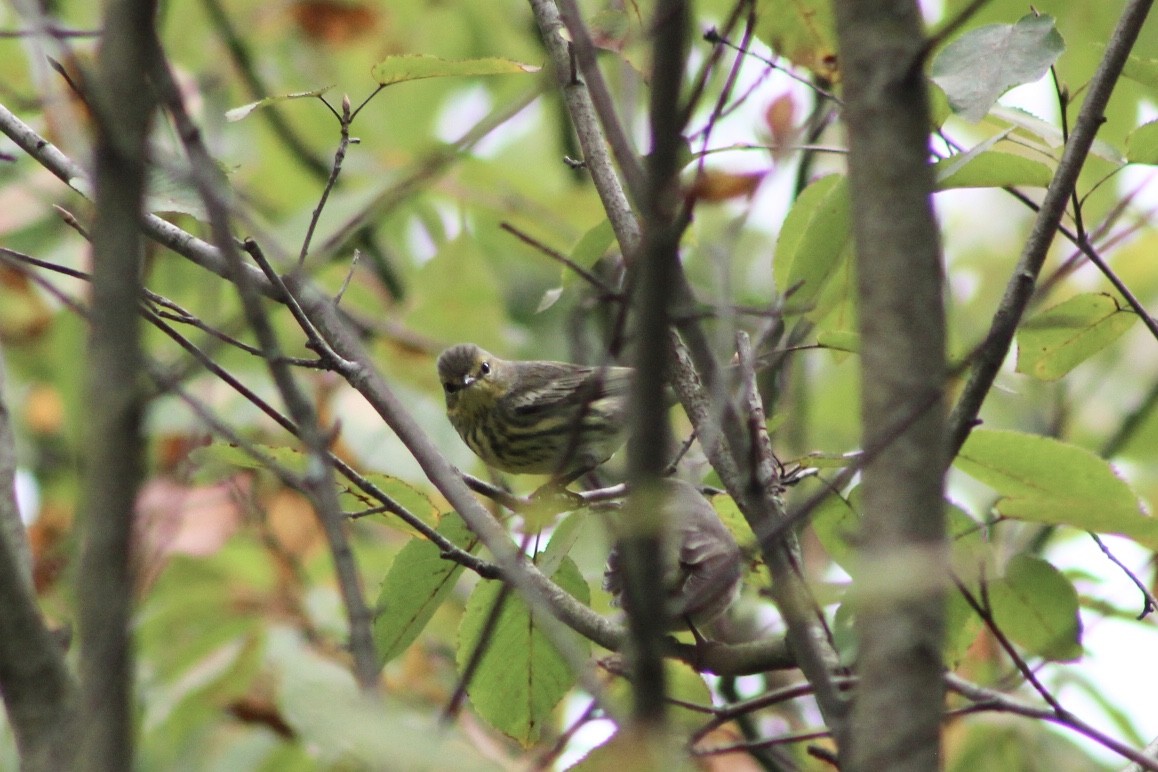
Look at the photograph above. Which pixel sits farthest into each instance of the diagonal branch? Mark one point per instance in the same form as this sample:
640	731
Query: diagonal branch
1021	285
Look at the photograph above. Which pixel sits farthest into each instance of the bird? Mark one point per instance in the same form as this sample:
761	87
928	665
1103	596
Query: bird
702	566
535	416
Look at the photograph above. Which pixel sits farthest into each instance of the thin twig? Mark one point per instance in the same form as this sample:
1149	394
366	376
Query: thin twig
988	699
335	169
583	50
1149	603
587	128
981	608
597	283
320	477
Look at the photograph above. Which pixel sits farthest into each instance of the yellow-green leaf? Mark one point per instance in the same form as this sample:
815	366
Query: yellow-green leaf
416	585
1037	608
404	67
237	113
813	242
1060	338
521	676
1044	480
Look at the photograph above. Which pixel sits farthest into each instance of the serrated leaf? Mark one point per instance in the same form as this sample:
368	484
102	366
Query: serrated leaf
1060	338
1037	608
1029	125
238	113
416	585
1142	144
813	241
414	500
1044	480
979	66
406	67
231	455
520	677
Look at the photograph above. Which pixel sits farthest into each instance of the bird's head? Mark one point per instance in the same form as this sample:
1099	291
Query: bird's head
469	374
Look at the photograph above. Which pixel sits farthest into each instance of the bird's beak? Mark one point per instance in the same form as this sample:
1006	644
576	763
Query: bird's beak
467	380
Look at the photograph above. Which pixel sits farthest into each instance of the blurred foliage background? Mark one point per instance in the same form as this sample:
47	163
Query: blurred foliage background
240	629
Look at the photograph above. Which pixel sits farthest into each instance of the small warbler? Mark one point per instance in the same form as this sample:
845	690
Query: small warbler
702	563
534	417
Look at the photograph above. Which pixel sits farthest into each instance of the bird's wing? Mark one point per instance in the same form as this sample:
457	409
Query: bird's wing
710	566
565	385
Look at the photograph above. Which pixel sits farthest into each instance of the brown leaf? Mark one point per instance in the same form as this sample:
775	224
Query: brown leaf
714	185
175	518
44	410
780	118
48	539
333	21
293	523
24	314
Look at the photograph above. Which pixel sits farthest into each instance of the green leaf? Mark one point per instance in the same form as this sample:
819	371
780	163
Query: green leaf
1142	144
1062	337
836	523
1028	125
683	684
1144	71
994	742
813	242
232	456
564	537
238	113
961	628
404	67
839	340
982	64
591	246
348	729
520	677
734	520
458	296
1037	608
992	169
802	31
415	501
1043	480
822	460
416	585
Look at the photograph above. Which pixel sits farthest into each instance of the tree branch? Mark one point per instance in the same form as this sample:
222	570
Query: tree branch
114	445
1021	285
896	718
38	691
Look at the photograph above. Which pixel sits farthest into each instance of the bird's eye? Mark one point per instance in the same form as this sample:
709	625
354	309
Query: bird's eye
484	368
